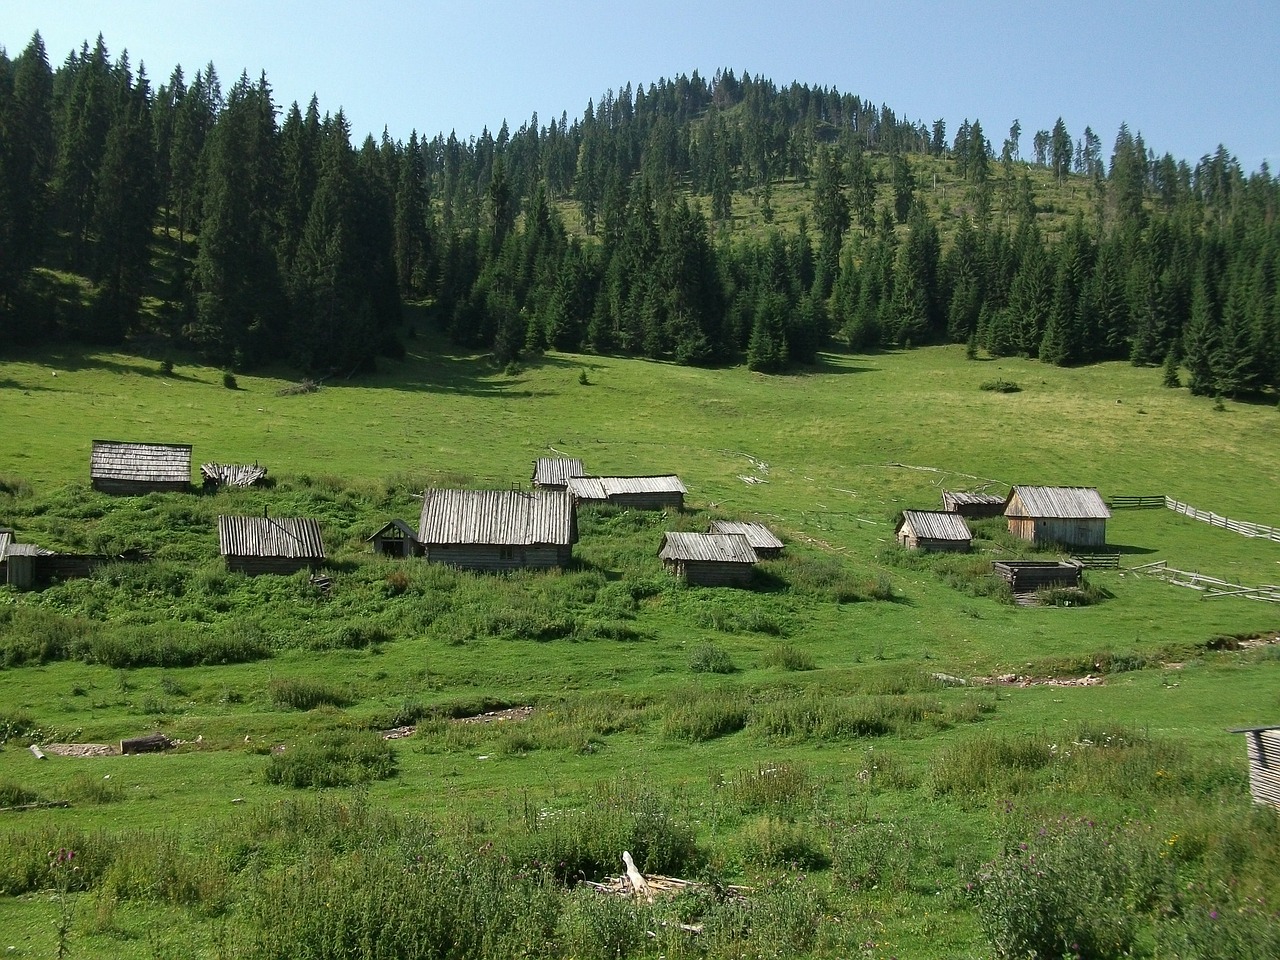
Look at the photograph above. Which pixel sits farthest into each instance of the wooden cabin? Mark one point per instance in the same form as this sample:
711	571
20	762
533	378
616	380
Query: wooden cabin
282	545
1262	744
137	468
1027	576
217	475
934	531
396	539
552	473
763	540
1071	516
641	493
975	506
498	529
708	559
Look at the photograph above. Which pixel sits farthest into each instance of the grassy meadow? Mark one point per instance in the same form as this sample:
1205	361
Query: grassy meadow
810	738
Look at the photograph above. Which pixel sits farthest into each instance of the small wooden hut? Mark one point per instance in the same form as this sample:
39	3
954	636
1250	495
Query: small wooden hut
137	468
708	559
283	545
1026	576
552	473
641	493
1263	747
396	539
1072	516
975	506
498	529
763	540
934	531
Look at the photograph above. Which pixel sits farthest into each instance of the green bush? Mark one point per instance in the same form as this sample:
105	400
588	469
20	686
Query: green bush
789	657
707	657
872	853
771	842
1000	386
13	795
296	693
698	715
774	786
333	759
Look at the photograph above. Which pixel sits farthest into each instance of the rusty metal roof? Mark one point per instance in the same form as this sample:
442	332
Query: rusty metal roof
758	535
147	462
504	517
554	471
292	537
717	547
1074	503
935	525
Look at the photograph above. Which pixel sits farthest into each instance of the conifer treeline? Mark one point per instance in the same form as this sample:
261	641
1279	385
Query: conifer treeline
295	246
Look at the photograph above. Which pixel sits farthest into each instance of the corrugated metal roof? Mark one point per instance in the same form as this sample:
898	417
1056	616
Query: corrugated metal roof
758	535
936	525
1072	503
504	517
293	537
556	470
148	462
718	547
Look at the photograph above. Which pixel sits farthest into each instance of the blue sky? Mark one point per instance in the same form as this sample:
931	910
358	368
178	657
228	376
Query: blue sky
1187	75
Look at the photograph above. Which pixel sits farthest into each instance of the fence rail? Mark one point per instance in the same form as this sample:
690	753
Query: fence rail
1242	527
1138	503
1210	587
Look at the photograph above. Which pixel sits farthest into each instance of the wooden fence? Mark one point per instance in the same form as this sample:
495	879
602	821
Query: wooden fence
1211	587
1242	527
1138	503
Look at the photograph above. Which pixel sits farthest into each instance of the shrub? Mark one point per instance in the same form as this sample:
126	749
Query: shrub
229	381
707	657
698	715
1000	386
872	853
774	786
593	927
295	693
15	724
989	763
13	795
333	759
14	486
166	368
789	657
771	842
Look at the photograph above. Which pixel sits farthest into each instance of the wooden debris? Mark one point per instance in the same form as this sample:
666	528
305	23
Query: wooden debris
81	749
38	805
232	474
151	743
635	884
37	752
638	885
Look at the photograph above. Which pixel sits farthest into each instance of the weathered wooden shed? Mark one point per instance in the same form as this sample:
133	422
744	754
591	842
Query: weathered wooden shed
642	493
1025	576
136	468
498	529
935	531
1262	744
708	559
396	539
552	473
763	540
973	505
232	475
283	545
1072	516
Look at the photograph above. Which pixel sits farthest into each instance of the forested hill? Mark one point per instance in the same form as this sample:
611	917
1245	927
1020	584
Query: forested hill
705	221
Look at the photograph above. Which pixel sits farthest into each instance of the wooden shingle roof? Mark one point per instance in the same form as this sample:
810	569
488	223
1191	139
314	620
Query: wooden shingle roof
1073	503
954	499
599	488
554	471
292	537
141	462
707	547
758	535
405	530
935	525
502	517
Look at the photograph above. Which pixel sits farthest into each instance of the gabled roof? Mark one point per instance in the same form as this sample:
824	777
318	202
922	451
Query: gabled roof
601	488
6	538
503	517
717	547
1070	503
292	537
405	530
758	535
962	498
935	525
556	470
144	462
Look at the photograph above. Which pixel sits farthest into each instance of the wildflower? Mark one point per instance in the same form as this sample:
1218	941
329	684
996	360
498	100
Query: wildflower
1213	914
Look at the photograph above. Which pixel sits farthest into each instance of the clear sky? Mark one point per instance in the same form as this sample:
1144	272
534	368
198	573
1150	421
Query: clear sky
1187	75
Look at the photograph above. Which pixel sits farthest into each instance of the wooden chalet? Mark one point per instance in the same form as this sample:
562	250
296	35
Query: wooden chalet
708	559
935	531
396	539
136	468
1262	745
552	473
1072	516
498	529
282	545
232	475
972	505
642	493
763	540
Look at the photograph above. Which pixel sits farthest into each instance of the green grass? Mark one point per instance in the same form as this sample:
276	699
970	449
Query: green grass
832	746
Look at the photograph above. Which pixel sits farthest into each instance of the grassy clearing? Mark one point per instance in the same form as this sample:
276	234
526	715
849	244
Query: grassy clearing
808	736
